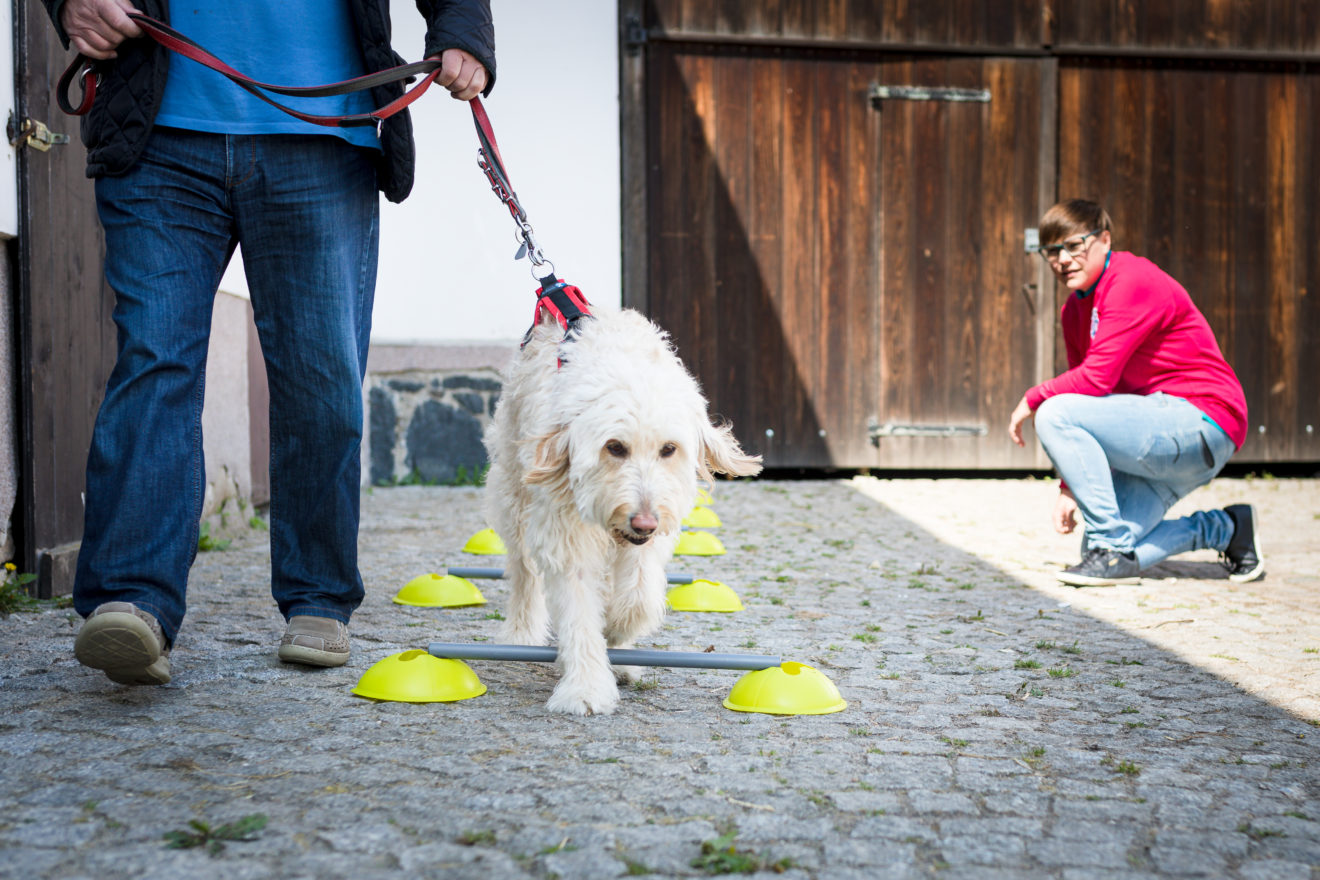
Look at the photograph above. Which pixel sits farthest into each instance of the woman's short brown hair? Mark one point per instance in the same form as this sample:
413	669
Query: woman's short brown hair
1073	217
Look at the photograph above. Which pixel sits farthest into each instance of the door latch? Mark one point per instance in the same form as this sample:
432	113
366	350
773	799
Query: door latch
33	133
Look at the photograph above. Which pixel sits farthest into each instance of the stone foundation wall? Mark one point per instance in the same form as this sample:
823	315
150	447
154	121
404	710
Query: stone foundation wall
425	426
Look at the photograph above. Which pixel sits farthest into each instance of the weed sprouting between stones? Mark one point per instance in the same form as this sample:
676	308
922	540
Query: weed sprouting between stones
13	592
721	856
214	839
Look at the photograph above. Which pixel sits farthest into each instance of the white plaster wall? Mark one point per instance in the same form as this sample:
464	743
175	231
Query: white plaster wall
226	420
8	155
447	272
8	229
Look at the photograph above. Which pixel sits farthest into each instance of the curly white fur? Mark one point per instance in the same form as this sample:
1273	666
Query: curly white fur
594	463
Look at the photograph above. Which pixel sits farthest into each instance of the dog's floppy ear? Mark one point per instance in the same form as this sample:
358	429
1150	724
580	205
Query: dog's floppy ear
721	454
551	459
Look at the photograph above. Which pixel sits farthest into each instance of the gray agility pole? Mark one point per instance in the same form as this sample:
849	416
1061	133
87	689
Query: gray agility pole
497	573
618	656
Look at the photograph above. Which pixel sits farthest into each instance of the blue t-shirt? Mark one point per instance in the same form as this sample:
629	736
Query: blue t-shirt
289	43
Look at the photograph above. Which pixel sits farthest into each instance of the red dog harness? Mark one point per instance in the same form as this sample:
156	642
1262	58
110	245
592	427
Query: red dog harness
565	302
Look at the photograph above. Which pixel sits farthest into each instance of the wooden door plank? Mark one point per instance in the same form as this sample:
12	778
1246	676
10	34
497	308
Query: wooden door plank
736	284
1280	187
768	231
799	314
65	333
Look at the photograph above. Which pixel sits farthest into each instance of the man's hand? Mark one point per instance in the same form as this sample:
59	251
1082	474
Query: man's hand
96	27
1065	512
1021	413
463	75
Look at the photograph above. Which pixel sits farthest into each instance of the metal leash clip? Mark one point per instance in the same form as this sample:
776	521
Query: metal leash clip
488	160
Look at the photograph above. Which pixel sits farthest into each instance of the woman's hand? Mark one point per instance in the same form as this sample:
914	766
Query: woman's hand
1065	512
1021	413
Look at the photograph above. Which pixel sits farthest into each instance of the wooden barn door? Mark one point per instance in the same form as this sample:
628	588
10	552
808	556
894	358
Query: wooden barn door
66	338
1213	177
966	316
845	272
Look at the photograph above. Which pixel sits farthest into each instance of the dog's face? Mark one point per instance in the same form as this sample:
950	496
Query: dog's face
638	440
630	464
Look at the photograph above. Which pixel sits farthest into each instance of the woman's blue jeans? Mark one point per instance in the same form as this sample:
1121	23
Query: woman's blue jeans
305	210
1127	459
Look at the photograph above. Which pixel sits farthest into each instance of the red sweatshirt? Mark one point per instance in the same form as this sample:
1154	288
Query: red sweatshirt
1138	332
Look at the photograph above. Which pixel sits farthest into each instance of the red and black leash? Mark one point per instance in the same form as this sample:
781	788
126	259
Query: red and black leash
565	302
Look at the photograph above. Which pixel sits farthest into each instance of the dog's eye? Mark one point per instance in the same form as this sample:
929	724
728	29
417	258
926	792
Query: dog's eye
667	450
616	449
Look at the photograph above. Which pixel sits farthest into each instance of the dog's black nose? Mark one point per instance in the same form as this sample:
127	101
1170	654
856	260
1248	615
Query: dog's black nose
643	523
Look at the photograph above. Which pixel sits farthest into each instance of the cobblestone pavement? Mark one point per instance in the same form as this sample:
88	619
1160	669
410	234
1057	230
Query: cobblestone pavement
998	725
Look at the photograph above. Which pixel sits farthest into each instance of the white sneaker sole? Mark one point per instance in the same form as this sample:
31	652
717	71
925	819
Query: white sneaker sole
1082	580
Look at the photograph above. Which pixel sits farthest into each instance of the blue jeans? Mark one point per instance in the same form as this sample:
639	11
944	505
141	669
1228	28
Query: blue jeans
1127	459
305	209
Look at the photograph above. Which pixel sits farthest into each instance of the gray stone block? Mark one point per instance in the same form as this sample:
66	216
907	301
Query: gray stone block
470	401
382	419
474	383
441	439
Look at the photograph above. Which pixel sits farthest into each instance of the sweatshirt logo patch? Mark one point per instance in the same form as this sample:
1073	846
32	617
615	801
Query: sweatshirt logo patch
1095	322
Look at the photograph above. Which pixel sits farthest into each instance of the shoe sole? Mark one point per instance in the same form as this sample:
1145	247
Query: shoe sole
1082	580
1248	576
311	656
122	646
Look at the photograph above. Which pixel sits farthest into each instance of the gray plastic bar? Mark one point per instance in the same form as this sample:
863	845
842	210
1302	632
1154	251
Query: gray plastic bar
496	573
618	656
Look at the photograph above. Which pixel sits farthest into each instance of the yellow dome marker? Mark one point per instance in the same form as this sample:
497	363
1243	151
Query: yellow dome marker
704	595
787	689
698	544
485	543
417	677
439	591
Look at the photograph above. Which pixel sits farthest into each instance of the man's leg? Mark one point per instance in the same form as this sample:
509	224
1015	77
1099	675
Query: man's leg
167	238
1145	503
1128	459
307	212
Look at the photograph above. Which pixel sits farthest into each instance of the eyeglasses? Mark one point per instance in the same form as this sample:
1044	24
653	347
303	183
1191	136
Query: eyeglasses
1074	246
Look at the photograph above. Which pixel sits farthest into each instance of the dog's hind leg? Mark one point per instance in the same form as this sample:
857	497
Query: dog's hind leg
637	603
586	685
528	622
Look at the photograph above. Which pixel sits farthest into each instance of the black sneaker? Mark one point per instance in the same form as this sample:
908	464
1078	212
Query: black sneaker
1242	557
1102	567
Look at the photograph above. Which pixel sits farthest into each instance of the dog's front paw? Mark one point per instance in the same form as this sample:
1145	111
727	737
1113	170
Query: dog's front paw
571	698
627	674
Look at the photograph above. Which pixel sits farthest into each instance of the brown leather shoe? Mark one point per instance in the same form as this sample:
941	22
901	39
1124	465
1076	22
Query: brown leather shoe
124	642
315	641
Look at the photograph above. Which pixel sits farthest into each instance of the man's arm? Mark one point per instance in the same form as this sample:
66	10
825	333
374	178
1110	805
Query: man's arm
465	25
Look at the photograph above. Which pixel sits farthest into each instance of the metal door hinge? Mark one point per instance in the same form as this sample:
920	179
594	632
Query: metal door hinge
890	429
32	133
634	34
881	93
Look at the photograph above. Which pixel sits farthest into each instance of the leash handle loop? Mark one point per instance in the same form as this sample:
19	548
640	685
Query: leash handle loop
171	39
489	159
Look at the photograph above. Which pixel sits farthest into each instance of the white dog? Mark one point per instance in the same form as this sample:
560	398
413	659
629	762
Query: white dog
596	448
